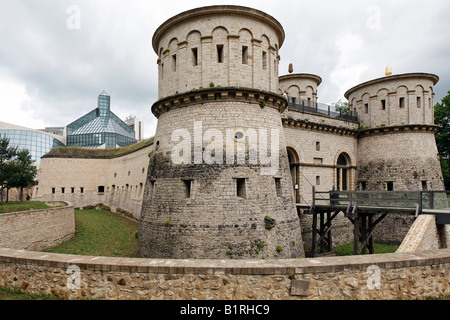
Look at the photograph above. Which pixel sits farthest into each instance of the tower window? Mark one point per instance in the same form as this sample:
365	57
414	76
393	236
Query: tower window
383	104
419	102
220	53
187	188
174	59
244	55
241	188
390	186
101	189
53	190
402	102
317	180
318	146
278	186
366	108
195	57
264	60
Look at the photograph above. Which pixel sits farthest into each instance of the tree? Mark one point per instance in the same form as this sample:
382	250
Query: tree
6	154
442	119
22	172
342	107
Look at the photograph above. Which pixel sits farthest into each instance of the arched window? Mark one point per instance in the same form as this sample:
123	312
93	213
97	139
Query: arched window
294	166
342	178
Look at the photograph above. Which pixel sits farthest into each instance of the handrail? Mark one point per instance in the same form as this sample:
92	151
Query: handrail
320	108
413	200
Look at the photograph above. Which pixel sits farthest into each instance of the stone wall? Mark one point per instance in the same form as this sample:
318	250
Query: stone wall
423	235
224	45
117	182
376	277
39	229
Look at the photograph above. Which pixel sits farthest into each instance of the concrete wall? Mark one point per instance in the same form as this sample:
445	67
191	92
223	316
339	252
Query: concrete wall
39	229
376	277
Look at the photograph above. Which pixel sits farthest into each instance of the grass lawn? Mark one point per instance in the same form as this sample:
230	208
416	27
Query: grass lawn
22	206
17	294
347	249
101	233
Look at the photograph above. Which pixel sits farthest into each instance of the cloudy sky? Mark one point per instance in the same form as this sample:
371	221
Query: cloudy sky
57	56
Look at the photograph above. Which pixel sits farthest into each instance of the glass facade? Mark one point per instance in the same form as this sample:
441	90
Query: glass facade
100	128
37	143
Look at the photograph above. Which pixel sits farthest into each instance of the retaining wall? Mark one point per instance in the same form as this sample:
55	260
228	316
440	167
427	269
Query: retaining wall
39	229
376	277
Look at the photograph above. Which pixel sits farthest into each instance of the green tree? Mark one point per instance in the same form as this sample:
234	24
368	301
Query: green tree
22	172
6	154
342	107
442	119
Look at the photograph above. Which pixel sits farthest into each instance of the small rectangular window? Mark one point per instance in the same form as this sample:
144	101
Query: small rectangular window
241	189
244	55
317	146
317	180
63	190
174	59
264	60
278	187
366	108
220	53
53	190
101	189
402	102
195	57
419	102
424	185
363	185
318	161
383	104
81	190
72	190
390	186
187	188
152	189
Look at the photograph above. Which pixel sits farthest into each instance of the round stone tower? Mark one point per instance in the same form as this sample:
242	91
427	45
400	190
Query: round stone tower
301	88
397	148
219	184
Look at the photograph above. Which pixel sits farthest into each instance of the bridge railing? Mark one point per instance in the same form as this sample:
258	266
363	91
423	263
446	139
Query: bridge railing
320	108
434	200
418	200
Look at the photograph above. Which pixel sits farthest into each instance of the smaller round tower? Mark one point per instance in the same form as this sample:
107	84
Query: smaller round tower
397	147
301	88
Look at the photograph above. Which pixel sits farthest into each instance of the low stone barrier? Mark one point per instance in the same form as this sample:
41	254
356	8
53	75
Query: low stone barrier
422	236
39	229
376	277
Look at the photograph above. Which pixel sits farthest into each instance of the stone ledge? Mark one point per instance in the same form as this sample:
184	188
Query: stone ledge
229	267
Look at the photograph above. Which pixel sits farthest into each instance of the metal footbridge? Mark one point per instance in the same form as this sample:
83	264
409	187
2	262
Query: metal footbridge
366	210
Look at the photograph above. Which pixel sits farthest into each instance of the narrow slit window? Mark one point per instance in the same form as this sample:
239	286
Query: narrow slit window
383	104
318	146
244	55
53	190
419	102
187	188
241	188
366	108
317	180
63	190
220	53
402	102
72	190
174	60
81	190
264	60
195	57
278	187
390	186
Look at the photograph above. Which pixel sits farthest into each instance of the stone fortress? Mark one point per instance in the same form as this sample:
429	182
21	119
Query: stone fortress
206	187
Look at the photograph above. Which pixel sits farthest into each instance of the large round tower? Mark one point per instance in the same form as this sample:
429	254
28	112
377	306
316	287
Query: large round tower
397	147
219	184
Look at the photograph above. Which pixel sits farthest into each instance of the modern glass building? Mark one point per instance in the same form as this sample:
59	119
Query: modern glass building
37	142
100	128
